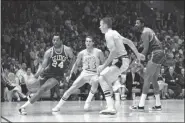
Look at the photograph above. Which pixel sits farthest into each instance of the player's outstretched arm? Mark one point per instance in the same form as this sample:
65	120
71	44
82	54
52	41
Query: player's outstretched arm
44	64
133	47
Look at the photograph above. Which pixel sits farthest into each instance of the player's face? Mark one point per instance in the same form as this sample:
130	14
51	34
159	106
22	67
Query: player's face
138	25
57	42
102	26
89	43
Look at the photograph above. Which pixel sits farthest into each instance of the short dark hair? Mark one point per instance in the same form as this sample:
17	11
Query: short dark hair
57	34
141	19
108	21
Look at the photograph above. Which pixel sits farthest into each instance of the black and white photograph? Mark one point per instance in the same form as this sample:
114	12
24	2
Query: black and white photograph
92	61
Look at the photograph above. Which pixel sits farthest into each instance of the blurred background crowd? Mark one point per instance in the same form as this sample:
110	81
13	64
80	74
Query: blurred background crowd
27	28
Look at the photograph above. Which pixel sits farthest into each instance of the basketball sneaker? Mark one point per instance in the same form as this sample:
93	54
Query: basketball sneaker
56	109
22	111
108	112
87	106
155	108
136	108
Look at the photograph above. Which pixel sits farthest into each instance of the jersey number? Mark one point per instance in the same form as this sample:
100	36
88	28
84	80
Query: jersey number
61	64
93	67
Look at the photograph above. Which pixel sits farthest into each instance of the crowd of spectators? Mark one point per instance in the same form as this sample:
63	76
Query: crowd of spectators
27	28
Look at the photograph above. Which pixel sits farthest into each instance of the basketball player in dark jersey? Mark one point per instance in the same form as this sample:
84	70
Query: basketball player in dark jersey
152	46
52	70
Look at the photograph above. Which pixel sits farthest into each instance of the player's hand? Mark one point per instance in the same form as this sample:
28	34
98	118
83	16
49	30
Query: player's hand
100	68
36	76
140	57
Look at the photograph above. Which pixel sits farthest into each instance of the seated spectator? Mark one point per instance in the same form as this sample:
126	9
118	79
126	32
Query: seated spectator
171	79
5	84
20	73
163	87
181	81
17	90
11	79
5	81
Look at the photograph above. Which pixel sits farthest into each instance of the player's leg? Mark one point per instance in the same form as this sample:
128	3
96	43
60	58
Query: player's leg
77	84
156	88
107	90
107	77
94	86
147	79
157	60
50	83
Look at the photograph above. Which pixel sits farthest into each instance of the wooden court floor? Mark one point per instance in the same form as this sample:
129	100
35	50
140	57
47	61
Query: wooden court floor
72	111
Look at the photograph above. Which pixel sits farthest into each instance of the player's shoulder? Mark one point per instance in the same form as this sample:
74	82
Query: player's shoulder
67	48
147	30
82	52
97	50
112	33
50	50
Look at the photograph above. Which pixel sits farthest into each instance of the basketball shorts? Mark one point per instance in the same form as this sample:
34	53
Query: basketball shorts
158	57
88	77
119	65
46	75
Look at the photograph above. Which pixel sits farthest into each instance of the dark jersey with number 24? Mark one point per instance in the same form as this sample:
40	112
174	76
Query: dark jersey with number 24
58	63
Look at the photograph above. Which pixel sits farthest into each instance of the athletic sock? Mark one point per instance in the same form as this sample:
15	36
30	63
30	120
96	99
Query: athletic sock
142	100
26	104
158	101
90	96
61	102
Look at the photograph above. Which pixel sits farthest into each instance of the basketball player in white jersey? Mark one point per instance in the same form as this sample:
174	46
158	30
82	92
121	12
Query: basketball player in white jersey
120	61
90	58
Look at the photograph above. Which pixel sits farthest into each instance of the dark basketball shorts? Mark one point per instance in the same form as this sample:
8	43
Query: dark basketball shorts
158	57
46	75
